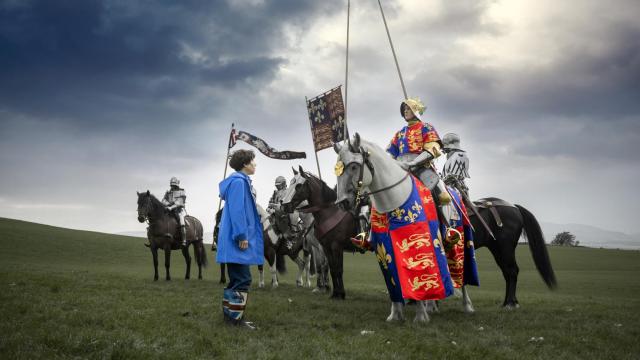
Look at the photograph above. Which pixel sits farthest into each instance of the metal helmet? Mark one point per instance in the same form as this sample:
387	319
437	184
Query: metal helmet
415	105
451	141
174	181
280	180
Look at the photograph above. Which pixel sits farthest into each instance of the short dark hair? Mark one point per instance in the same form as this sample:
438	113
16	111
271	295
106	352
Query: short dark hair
240	158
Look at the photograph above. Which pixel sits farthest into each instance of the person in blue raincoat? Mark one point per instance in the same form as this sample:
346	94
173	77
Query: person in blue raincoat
240	242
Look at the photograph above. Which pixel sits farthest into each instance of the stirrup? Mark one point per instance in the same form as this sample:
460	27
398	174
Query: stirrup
451	238
361	241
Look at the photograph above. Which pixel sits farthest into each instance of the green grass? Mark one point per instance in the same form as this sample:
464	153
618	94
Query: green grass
77	294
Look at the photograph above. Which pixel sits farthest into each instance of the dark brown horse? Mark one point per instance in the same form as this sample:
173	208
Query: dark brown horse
163	233
333	226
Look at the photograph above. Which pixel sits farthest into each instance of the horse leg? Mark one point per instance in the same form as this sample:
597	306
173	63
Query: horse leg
432	306
154	253
274	275
507	263
200	254
261	277
167	260
187	259
301	267
466	301
307	269
396	312
223	276
422	316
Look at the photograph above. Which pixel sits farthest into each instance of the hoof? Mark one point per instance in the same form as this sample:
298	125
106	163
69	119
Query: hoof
469	309
510	307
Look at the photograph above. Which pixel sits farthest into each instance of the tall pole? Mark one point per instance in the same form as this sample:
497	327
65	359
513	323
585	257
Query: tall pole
395	58
312	139
346	77
226	162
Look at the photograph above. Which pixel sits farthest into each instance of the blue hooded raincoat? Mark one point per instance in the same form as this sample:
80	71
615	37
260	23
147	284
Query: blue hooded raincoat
240	220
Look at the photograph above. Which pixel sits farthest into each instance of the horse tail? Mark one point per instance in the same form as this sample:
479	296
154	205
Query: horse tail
537	246
199	245
281	264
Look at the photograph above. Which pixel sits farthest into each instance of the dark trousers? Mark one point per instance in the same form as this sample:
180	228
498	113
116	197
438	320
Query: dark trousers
239	277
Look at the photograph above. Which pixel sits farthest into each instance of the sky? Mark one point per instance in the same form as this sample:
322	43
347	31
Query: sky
100	99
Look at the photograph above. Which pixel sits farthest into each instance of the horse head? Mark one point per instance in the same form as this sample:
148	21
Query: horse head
297	192
144	205
352	170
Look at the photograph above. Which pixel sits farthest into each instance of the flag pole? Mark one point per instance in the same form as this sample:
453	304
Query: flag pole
346	77
312	137
393	51
226	162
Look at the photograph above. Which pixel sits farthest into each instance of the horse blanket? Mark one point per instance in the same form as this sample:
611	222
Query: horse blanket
409	250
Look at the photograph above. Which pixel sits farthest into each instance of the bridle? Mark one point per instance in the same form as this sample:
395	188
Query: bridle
366	162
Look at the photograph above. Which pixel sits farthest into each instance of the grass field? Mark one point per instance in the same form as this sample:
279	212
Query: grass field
77	294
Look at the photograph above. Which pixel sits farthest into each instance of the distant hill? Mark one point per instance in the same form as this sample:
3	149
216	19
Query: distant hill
208	236
592	236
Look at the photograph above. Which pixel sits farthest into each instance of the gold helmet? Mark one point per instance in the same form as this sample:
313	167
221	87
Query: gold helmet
415	105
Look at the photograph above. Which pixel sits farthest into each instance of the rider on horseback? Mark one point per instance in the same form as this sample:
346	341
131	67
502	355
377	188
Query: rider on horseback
278	194
288	221
456	169
174	201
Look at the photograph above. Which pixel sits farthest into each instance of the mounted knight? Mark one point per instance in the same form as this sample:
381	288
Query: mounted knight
456	169
174	201
285	225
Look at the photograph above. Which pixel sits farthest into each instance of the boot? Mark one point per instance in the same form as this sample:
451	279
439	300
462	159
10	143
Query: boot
183	236
233	307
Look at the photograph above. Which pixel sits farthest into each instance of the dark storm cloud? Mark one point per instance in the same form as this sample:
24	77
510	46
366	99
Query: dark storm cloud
585	102
66	59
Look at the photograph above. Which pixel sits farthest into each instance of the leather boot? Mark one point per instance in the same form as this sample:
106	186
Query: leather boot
183	236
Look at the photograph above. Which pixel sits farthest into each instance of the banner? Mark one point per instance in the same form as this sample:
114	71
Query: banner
326	114
263	146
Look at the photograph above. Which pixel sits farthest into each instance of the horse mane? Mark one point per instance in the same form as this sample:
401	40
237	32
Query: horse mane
326	192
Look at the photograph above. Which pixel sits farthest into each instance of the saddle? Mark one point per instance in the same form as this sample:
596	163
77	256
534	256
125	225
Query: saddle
490	204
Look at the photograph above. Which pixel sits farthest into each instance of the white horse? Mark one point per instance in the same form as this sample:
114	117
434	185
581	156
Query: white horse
368	168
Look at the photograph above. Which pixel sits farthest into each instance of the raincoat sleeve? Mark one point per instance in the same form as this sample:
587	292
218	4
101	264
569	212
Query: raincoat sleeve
235	204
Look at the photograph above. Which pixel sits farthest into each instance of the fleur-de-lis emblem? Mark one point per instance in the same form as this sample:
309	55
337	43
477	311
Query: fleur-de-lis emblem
416	207
411	217
398	213
401	147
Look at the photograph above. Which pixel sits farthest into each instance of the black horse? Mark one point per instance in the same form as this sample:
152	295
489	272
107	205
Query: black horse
507	223
164	233
333	226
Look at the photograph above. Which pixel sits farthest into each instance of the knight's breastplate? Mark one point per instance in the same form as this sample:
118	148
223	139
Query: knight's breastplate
177	196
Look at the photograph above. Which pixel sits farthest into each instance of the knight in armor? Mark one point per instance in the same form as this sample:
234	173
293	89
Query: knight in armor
456	169
278	194
415	147
174	201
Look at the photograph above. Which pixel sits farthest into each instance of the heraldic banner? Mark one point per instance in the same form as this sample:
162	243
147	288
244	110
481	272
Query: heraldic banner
326	114
263	146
